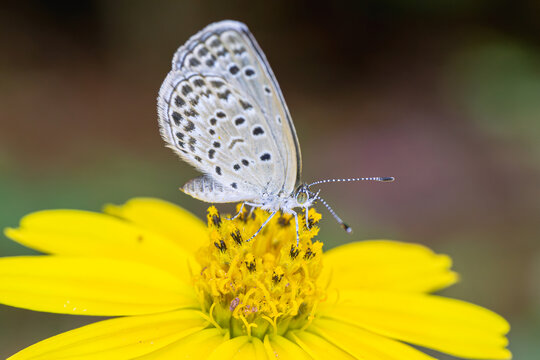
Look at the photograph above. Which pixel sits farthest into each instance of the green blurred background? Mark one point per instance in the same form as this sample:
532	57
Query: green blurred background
443	95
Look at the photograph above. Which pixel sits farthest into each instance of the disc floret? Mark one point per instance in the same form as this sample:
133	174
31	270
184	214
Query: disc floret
266	285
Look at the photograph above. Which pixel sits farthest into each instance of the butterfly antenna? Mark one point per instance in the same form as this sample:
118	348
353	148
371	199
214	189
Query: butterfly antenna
382	179
345	227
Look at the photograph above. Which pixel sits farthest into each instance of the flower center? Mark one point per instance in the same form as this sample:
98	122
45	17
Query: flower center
266	285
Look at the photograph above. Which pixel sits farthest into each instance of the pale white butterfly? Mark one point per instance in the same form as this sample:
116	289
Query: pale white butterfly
221	110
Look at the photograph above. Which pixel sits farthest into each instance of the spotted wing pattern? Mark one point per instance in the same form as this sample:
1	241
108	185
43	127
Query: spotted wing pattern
218	129
228	49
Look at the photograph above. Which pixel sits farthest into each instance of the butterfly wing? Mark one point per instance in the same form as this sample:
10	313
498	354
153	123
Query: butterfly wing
227	49
217	128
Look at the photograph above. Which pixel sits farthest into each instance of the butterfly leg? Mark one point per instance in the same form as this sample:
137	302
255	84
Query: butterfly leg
306	209
251	210
263	225
296	222
253	206
238	213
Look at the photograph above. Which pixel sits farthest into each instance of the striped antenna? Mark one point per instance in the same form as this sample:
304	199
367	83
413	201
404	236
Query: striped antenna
345	227
382	179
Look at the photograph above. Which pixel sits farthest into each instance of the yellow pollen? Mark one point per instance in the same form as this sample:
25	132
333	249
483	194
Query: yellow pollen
265	286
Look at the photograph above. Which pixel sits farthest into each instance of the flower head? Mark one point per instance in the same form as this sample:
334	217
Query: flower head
265	286
188	290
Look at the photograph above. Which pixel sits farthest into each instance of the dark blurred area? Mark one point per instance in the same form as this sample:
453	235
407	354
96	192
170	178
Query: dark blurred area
444	95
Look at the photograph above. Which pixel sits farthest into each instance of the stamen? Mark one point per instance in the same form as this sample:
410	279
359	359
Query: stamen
221	246
210	317
237	237
310	317
216	219
272	322
294	252
268	296
234	304
248	325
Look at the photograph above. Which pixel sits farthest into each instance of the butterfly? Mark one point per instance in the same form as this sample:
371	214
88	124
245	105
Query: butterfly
221	110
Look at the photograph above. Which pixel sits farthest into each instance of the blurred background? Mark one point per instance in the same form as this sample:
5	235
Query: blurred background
444	95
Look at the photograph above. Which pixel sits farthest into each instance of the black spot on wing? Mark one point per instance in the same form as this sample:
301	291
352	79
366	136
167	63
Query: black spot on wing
216	144
236	167
198	82
218	170
233	69
217	84
245	162
249	72
265	157
211	153
240	51
202	51
186	89
213	121
191	113
179	101
258	131
190	126
239	121
232	39
194	62
221	114
224	95
222	53
192	141
177	118
211	62
245	105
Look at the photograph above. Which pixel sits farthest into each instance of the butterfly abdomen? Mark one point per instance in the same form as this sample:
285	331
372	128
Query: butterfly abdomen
205	188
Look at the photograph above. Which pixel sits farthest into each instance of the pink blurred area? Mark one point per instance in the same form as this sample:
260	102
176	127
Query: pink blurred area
444	97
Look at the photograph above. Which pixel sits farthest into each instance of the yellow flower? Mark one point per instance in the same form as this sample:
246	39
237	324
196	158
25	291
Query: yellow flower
181	289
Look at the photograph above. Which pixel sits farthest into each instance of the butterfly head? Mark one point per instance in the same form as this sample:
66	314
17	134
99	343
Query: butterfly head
304	196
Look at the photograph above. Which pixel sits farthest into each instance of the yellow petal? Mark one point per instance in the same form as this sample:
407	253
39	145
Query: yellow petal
278	347
90	286
388	265
364	344
196	346
228	349
74	232
317	347
241	347
117	339
164	218
252	350
447	325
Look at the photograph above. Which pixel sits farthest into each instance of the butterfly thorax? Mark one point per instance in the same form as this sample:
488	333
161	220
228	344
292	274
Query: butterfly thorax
287	202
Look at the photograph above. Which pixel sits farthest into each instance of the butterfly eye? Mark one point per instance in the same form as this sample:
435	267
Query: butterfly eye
301	197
